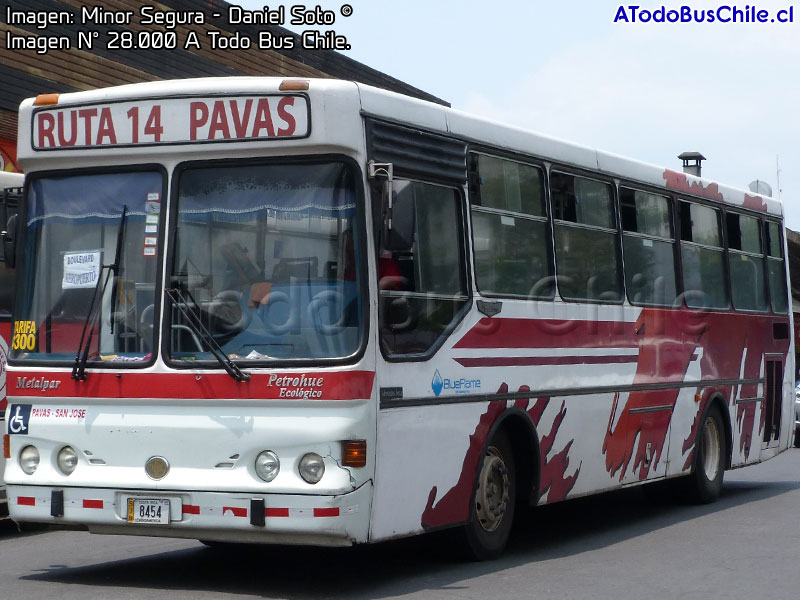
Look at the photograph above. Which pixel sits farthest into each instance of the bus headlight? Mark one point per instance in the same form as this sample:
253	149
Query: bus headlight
29	459
67	460
267	465
311	467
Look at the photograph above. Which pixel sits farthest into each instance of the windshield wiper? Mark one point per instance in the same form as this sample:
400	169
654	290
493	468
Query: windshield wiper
82	357
193	320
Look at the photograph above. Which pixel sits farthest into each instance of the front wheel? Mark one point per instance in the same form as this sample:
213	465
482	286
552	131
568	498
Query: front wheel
492	508
705	482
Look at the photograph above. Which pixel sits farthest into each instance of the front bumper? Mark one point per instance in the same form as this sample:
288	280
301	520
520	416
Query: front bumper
288	519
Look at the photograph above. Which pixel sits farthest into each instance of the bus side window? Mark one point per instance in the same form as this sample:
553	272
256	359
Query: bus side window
776	268
587	254
509	229
702	257
648	243
422	280
746	260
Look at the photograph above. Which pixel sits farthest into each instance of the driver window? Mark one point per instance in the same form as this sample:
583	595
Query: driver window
421	272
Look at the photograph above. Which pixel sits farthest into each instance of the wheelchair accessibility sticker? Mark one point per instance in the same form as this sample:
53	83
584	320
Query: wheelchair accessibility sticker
19	416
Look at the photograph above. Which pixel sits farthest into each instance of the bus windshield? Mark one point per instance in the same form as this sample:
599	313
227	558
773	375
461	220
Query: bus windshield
72	230
265	263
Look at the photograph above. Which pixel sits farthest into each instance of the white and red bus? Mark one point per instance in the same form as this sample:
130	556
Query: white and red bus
316	312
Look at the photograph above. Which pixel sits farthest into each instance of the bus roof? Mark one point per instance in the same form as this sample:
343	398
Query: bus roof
347	100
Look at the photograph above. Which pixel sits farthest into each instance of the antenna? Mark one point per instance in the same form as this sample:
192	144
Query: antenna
778	175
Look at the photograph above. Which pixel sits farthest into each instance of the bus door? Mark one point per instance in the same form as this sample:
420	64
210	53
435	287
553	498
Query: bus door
773	395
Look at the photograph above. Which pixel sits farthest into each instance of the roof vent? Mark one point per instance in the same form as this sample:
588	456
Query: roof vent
691	162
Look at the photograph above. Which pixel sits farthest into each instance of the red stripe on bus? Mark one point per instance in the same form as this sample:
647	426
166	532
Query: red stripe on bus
341	385
237	512
191	509
276	512
26	501
326	512
526	361
92	504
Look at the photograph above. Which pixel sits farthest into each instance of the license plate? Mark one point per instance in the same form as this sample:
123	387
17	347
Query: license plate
148	510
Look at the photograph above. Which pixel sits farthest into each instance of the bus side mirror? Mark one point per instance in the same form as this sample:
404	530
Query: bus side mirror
10	242
399	235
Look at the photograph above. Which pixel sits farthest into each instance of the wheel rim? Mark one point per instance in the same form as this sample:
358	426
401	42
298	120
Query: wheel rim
491	498
710	449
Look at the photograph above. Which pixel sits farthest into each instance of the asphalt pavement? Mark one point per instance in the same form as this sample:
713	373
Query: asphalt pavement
620	545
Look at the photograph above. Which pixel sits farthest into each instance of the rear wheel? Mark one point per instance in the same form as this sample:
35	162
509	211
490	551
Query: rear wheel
705	482
492	508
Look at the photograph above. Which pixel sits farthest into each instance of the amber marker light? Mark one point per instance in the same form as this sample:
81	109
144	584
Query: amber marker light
6	445
46	99
354	453
293	85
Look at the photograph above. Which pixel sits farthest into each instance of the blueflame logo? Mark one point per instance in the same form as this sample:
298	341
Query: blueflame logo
437	384
459	386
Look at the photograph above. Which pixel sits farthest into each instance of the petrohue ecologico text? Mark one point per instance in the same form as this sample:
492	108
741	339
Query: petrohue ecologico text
686	14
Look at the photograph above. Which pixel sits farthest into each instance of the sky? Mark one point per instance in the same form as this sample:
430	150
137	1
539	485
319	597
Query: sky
565	68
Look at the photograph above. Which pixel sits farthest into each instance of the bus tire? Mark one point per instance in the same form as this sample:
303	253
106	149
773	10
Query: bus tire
494	501
708	469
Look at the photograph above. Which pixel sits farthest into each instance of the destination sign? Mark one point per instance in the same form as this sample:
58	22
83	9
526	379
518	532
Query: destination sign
171	121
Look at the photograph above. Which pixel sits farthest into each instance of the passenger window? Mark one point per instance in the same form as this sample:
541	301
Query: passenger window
777	271
509	229
702	257
587	253
746	259
421	272
649	244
